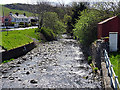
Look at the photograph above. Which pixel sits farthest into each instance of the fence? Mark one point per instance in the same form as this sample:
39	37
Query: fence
114	79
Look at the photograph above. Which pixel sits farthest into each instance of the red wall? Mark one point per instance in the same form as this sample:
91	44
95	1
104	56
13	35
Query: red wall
109	26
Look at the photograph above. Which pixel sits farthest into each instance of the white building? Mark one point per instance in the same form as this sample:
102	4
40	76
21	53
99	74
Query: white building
18	18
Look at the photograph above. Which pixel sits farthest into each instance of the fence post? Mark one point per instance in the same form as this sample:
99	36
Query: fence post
111	75
108	67
116	82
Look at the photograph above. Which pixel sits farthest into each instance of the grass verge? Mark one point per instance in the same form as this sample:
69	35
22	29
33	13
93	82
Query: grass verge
18	38
115	61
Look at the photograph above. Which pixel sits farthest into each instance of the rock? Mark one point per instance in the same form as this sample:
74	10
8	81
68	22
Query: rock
4	72
19	80
24	58
27	72
86	77
11	78
4	77
31	57
14	71
33	81
18	69
18	62
28	64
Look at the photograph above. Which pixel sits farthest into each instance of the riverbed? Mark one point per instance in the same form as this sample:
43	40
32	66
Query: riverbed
55	64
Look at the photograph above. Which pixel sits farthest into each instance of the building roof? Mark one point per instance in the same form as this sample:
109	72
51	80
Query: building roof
107	20
19	16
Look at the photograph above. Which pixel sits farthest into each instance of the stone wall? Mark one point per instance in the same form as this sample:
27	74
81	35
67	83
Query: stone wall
97	52
14	53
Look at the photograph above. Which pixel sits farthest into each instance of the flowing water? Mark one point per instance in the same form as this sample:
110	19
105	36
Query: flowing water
56	64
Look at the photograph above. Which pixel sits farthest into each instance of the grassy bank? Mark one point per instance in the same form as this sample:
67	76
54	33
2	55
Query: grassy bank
7	11
17	38
115	61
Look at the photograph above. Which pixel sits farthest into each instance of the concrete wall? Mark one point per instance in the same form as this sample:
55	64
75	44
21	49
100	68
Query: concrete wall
14	53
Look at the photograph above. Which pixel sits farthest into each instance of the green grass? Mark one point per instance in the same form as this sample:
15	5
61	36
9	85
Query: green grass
17	38
7	60
7	11
115	61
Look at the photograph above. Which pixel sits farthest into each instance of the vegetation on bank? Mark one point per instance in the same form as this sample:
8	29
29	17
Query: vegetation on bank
51	26
17	38
52	21
115	61
86	27
48	34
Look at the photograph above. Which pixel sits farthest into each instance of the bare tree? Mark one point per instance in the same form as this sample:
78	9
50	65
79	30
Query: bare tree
39	9
107	7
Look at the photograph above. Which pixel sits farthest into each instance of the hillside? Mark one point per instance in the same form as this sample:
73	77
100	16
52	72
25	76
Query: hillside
19	6
7	10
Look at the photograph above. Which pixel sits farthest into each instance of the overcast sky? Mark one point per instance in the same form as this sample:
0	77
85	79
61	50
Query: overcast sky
65	1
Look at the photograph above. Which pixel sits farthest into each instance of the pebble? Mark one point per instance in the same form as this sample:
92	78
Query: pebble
27	72
11	78
18	62
24	58
33	81
4	77
19	80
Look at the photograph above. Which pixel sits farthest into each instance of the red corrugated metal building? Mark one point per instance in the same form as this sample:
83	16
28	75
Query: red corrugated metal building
109	25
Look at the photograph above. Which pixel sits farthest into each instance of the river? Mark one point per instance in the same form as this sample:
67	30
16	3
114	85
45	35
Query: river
56	64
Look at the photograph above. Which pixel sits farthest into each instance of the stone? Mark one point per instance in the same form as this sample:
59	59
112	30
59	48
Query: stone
4	77
18	69
24	58
33	81
86	77
18	62
19	80
11	78
27	72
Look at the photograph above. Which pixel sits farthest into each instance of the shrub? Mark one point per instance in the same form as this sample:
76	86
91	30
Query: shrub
89	59
12	23
48	33
95	69
86	27
52	21
21	23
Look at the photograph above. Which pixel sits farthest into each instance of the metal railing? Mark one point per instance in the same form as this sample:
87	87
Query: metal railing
114	79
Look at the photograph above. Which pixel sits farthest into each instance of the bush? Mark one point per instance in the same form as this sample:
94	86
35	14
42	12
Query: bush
95	69
21	23
86	27
52	21
12	23
89	59
33	23
48	33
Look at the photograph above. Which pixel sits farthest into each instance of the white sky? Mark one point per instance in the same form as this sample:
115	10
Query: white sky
65	1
